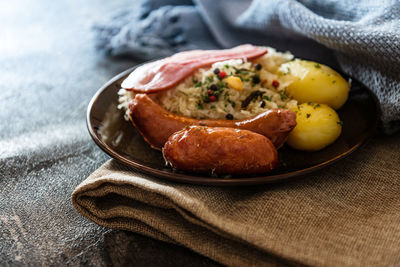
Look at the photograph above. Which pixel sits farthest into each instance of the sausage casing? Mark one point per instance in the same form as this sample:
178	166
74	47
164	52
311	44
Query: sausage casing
220	150
156	124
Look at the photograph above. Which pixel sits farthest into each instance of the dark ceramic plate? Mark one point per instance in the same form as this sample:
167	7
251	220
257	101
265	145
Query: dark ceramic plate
120	140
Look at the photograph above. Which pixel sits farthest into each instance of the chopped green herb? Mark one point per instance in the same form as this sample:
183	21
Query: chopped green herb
187	126
268	98
334	81
308	115
199	105
199	84
226	95
340	122
182	92
317	106
317	66
226	66
282	95
194	80
210	79
221	84
230	102
212	107
310	103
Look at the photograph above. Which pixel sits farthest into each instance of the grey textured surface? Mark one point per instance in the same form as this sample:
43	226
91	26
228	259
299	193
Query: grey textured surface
364	34
49	71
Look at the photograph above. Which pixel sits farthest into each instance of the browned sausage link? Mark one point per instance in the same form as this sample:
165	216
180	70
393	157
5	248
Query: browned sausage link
156	124
220	150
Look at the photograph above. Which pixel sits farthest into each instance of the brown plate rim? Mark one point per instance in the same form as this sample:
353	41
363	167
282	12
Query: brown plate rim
208	180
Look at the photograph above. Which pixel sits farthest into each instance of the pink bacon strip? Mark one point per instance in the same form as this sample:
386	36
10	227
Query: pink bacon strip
165	73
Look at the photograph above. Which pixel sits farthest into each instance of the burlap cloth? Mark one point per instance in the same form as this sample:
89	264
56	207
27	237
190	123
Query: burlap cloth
346	214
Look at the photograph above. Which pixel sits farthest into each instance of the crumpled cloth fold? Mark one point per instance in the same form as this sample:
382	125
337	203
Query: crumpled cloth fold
363	35
345	215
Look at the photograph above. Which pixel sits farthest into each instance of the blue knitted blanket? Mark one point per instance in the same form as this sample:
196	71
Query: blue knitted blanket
360	37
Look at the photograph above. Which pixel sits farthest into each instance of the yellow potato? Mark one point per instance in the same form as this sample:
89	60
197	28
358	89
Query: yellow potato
318	126
314	82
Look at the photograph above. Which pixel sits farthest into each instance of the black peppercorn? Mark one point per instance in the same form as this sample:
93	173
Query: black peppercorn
229	116
256	79
258	66
262	104
216	71
213	87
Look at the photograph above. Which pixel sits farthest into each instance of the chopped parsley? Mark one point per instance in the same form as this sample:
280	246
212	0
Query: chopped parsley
210	79
182	92
282	95
232	103
268	98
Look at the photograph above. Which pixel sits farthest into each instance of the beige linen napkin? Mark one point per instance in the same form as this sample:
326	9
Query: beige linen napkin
347	214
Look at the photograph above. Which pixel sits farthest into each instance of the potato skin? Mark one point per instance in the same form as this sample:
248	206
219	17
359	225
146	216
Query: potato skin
314	82
318	126
220	150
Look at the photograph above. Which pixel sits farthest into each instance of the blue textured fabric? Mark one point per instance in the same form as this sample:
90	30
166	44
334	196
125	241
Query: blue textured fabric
360	37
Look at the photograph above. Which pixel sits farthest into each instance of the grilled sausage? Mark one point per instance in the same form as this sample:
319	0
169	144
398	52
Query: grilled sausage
156	124
220	150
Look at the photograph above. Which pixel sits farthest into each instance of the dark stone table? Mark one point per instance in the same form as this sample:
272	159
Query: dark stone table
49	71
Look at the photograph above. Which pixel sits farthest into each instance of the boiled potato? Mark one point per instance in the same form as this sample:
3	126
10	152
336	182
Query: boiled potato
313	82
318	126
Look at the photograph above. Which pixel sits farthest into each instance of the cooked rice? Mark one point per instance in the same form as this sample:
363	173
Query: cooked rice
190	97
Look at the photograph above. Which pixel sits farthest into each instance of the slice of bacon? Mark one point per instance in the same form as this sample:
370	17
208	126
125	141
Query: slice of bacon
165	73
